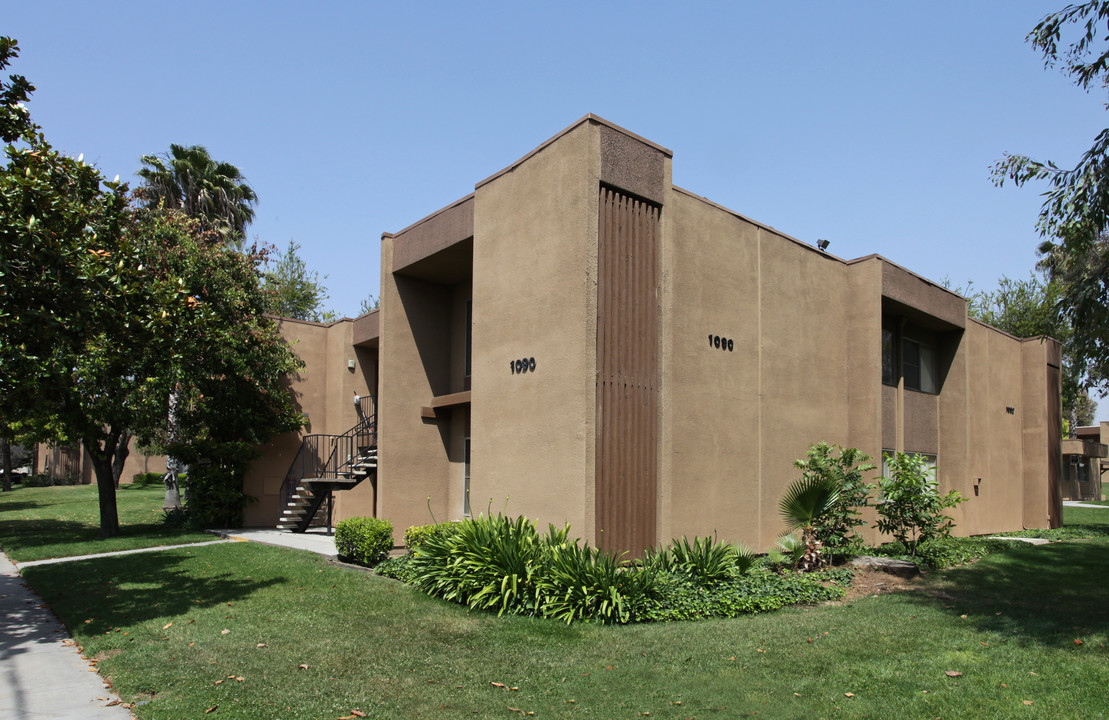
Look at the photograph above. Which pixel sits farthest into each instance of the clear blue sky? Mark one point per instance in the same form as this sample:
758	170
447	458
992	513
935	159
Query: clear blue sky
871	124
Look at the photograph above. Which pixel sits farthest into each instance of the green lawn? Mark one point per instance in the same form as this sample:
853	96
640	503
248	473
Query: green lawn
1008	624
38	523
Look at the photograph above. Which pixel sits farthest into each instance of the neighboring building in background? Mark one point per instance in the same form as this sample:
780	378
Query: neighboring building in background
580	341
1084	463
72	464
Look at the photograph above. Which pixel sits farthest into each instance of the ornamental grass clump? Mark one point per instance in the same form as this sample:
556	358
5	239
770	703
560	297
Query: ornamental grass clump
586	583
705	561
487	563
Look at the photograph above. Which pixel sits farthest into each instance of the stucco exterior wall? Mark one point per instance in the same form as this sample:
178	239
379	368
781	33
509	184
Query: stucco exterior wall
737	419
534	296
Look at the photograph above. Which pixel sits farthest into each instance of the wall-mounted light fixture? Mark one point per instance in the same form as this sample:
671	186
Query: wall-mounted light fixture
823	244
350	364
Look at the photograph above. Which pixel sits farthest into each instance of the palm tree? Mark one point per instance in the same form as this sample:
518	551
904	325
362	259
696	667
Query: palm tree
805	503
188	179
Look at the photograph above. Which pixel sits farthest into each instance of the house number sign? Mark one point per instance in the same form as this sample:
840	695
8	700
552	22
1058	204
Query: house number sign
721	343
521	366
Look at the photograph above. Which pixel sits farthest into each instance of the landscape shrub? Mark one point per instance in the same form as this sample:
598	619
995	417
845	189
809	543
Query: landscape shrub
944	552
910	506
503	564
148	479
704	560
842	468
398	568
487	562
580	582
45	480
214	493
676	597
364	540
416	535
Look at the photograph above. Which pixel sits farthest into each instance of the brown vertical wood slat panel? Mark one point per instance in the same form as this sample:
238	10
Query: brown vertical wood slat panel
627	372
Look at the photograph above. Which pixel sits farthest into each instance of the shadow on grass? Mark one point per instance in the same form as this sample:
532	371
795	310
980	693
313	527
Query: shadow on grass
21	535
107	592
17	506
1047	594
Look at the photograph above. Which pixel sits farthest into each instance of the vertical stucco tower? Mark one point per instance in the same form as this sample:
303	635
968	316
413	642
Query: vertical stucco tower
580	341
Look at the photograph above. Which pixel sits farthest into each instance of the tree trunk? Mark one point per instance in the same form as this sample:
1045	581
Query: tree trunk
6	452
123	449
101	456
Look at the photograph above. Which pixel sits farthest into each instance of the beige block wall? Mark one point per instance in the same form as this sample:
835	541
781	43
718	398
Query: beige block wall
710	464
1042	436
534	295
734	422
414	368
994	437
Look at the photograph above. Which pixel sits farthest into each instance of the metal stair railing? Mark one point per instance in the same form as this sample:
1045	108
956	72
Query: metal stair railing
327	460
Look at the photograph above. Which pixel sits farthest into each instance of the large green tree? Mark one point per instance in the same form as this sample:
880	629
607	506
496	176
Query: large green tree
105	310
1074	216
187	178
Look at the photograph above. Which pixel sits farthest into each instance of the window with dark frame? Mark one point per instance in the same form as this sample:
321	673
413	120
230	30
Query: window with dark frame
918	366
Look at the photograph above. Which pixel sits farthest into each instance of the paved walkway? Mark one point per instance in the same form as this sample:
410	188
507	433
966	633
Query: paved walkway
1079	503
42	673
316	540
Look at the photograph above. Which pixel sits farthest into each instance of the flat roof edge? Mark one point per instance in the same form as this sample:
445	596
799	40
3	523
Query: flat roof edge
433	215
588	118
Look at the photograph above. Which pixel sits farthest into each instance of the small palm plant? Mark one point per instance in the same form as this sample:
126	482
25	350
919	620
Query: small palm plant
805	503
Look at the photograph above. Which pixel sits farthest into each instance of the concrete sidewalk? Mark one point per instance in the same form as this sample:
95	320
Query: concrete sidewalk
316	540
1079	503
43	673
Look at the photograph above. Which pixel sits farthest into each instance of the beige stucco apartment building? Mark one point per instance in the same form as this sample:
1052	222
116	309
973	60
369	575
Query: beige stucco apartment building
580	341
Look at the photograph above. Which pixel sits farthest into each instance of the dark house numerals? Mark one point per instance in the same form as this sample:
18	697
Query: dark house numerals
521	366
721	343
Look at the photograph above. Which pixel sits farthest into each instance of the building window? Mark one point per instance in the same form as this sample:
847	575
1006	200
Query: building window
889	357
929	462
918	366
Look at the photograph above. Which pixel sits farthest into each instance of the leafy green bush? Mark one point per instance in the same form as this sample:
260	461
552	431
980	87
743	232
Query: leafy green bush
911	507
148	479
944	552
843	468
45	480
676	597
175	518
399	568
503	564
364	540
417	535
214	496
